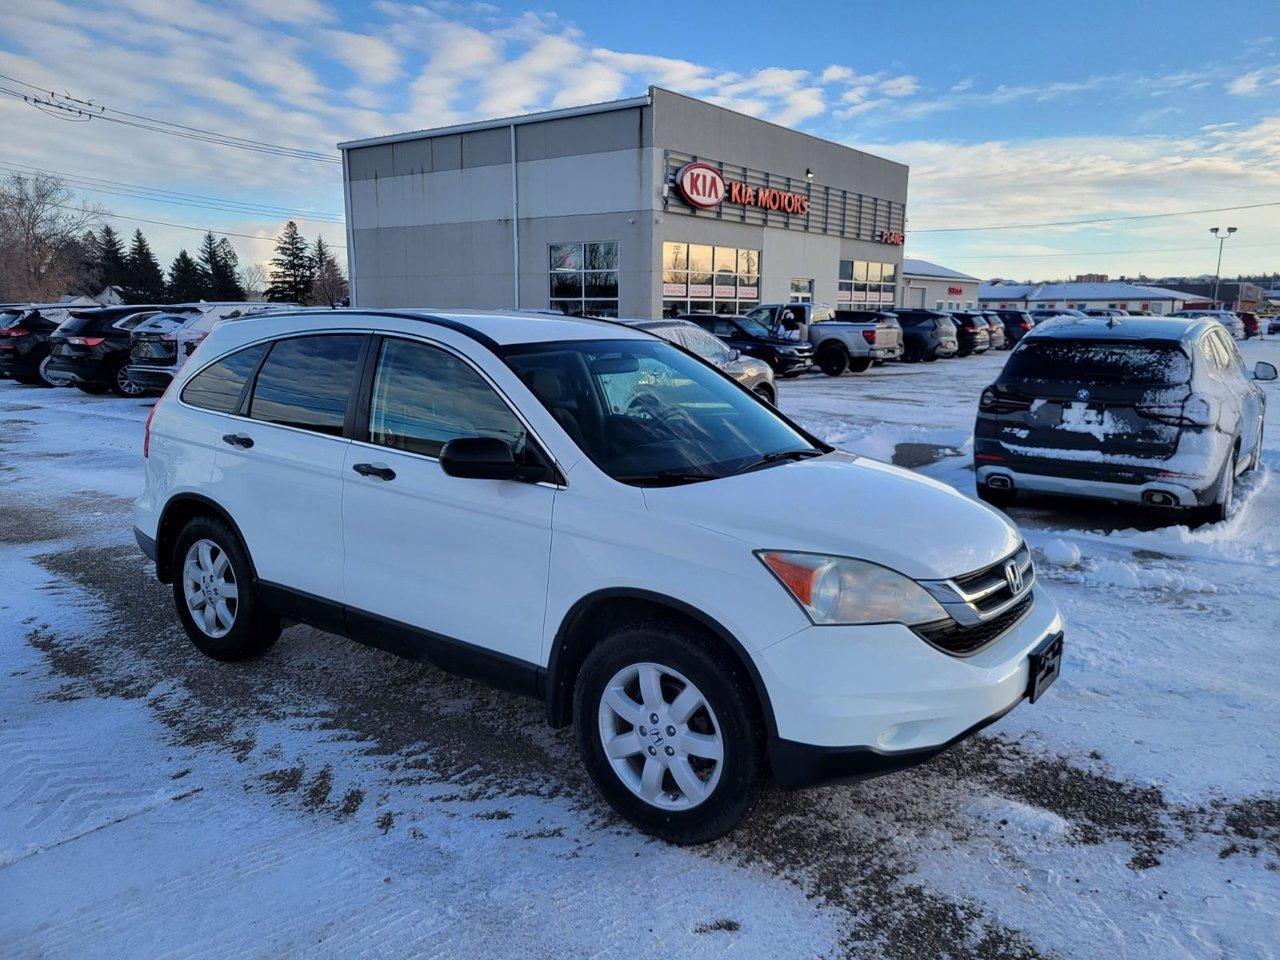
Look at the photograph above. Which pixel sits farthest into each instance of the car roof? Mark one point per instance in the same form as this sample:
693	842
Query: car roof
1173	329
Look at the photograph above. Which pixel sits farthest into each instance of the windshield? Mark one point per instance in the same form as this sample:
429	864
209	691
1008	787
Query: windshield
694	339
1099	360
649	414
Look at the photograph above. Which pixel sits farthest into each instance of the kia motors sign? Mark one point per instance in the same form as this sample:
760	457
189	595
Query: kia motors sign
701	185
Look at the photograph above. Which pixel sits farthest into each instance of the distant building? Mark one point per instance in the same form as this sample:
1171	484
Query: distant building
1092	278
926	284
1232	294
1114	294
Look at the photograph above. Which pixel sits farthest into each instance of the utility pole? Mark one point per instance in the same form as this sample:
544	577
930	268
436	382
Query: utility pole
1217	274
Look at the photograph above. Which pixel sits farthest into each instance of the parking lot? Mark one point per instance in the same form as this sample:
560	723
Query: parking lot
330	798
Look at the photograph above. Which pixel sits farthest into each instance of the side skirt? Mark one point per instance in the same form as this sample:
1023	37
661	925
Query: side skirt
405	640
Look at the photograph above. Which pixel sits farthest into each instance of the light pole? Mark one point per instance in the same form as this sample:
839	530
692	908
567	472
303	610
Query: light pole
1217	275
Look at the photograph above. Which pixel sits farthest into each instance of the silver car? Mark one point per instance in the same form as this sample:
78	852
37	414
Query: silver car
1234	325
755	375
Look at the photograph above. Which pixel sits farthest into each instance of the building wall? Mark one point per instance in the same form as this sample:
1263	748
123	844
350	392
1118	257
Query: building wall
935	290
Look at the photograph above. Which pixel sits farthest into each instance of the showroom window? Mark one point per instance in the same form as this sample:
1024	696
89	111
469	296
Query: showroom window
584	278
700	278
863	281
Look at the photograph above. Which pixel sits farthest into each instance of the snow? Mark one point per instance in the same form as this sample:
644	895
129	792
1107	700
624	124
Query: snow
331	800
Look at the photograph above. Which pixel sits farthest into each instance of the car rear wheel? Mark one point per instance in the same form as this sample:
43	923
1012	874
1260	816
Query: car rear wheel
669	731
764	393
1220	508
213	590
833	360
122	384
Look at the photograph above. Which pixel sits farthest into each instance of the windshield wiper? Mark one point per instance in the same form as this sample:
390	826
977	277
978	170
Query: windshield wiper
665	479
778	456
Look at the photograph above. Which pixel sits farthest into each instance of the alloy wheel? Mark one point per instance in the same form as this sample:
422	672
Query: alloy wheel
661	736
125	383
209	585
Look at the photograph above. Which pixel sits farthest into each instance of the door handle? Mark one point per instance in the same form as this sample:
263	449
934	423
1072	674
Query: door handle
378	470
238	440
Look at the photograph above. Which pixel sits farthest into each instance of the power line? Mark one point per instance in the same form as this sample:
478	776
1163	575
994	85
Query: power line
73	108
166	223
141	192
1072	223
1100	253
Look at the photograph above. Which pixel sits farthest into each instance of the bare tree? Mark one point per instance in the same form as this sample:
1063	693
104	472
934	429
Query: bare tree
253	277
41	238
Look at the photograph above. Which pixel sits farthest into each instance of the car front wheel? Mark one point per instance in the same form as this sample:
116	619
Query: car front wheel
669	732
764	393
833	360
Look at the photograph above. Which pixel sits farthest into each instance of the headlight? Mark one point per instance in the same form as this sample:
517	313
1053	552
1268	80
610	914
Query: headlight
841	590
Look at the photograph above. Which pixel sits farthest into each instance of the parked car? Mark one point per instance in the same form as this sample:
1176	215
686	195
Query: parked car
1105	312
24	343
513	500
161	344
926	334
91	348
754	374
1017	323
838	345
786	358
1234	325
1157	412
1040	315
995	330
972	335
1252	327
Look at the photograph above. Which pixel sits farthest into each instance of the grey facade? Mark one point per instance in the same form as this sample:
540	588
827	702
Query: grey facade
926	284
443	218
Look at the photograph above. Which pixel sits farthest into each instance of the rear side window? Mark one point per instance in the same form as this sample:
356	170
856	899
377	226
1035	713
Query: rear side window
305	382
1098	361
218	386
424	397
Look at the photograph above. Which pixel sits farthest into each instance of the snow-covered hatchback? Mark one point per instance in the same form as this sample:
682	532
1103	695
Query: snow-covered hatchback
1156	411
572	509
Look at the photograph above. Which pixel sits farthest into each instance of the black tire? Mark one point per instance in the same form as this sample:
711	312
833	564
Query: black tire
1223	494
765	394
931	356
121	385
962	352
255	628
859	364
997	498
726	689
833	360
912	353
94	389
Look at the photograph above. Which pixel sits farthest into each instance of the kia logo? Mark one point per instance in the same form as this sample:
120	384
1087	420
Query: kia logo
701	185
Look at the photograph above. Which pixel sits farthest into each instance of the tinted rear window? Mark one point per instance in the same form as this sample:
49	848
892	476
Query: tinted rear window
218	386
9	318
1090	361
305	382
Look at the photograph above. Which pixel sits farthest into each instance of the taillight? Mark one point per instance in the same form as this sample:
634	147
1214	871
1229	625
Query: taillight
15	332
168	338
869	336
993	401
1195	411
1025	324
85	341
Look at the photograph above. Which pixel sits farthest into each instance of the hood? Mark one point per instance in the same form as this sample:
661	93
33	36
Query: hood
849	506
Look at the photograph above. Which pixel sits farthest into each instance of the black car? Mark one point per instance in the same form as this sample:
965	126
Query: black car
785	357
972	333
926	334
24	343
91	349
1017	324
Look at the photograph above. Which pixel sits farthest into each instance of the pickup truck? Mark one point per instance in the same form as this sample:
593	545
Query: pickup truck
838	345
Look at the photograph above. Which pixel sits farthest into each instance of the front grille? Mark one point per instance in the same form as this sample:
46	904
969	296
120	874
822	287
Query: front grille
957	639
988	589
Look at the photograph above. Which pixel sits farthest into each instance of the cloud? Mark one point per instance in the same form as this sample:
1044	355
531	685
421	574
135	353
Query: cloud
371	58
1250	84
962	86
903	86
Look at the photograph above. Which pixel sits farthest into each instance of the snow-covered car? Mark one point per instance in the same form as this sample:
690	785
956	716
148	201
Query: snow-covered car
1157	412
754	374
1052	313
585	513
1228	318
163	343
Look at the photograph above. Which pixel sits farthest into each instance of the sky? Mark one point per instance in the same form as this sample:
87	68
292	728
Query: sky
1008	113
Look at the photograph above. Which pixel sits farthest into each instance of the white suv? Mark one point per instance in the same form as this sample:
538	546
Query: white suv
589	514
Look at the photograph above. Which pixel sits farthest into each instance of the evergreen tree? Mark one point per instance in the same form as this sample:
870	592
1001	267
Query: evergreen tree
226	282
329	288
292	269
111	268
145	283
187	282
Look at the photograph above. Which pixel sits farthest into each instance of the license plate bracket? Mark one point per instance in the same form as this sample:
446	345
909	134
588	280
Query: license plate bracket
1046	665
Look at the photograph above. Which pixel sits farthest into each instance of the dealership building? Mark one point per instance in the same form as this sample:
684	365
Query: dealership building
1112	294
926	284
649	206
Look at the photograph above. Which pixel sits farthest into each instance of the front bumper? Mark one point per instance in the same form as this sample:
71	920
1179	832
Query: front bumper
792	363
855	702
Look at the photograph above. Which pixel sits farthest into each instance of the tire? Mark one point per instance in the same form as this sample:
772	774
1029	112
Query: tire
962	352
913	353
997	498
208	558
728	715
859	364
765	394
833	360
121	385
931	356
94	389
1224	495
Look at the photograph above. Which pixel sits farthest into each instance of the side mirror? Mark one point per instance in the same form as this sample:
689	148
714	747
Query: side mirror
479	458
1264	371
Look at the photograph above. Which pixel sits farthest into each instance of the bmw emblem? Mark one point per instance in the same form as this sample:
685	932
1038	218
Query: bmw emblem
1082	394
